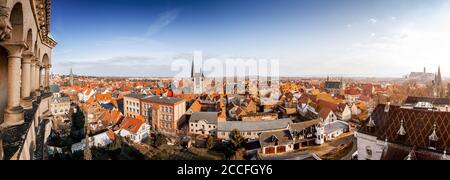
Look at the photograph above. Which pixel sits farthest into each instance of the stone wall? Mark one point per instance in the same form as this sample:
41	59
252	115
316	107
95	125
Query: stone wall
369	147
26	152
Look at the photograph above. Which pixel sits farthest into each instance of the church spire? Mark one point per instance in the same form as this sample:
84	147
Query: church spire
71	77
439	76
192	69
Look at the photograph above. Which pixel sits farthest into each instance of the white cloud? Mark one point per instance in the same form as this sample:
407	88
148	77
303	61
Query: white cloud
163	20
373	21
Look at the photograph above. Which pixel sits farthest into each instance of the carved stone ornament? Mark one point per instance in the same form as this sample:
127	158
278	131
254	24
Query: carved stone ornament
5	24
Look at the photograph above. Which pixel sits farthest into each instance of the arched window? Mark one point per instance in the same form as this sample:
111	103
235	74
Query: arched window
369	151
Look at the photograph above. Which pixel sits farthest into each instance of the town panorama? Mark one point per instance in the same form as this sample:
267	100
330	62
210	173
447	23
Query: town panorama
224	80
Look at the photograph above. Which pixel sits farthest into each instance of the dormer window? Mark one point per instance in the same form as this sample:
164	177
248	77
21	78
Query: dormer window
371	122
402	130
433	138
425	105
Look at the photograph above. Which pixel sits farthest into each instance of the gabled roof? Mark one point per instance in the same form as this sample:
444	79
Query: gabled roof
247	126
324	112
281	137
209	117
132	124
297	127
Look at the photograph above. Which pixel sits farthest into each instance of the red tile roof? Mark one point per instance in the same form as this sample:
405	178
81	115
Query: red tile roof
324	112
132	124
353	91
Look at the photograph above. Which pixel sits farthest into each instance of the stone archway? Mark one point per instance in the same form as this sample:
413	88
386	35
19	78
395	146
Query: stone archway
3	82
13	114
45	70
16	20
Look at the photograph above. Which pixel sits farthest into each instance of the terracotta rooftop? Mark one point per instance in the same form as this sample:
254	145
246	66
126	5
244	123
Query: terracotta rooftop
131	124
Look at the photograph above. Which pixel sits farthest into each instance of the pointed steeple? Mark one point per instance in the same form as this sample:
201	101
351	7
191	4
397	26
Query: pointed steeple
71	77
439	76
192	69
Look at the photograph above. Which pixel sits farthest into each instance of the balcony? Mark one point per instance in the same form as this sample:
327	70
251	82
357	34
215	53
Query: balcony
21	139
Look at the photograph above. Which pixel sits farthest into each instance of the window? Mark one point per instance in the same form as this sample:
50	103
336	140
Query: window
369	151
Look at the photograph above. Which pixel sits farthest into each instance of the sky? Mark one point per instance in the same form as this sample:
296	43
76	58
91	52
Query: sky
370	38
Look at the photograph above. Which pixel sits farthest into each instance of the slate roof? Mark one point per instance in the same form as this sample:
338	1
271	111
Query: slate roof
248	126
275	138
333	85
399	152
418	123
335	126
434	101
135	95
209	117
161	99
54	88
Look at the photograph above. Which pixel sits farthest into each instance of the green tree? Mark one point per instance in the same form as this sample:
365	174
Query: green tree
234	145
210	142
236	140
159	140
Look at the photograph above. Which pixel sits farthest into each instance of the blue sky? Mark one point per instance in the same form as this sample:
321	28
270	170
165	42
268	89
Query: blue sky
309	37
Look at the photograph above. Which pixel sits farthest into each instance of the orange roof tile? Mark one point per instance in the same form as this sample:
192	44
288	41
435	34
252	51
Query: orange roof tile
131	124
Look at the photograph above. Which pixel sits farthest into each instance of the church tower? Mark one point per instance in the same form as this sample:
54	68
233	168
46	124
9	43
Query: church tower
197	79
438	87
71	77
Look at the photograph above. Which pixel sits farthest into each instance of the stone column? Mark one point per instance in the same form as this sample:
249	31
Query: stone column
25	90
14	112
37	79
33	77
47	76
41	79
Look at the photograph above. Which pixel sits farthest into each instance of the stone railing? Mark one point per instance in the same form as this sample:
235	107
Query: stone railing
19	142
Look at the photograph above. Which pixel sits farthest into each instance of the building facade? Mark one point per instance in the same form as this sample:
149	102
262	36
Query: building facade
59	105
163	113
25	61
203	123
132	105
